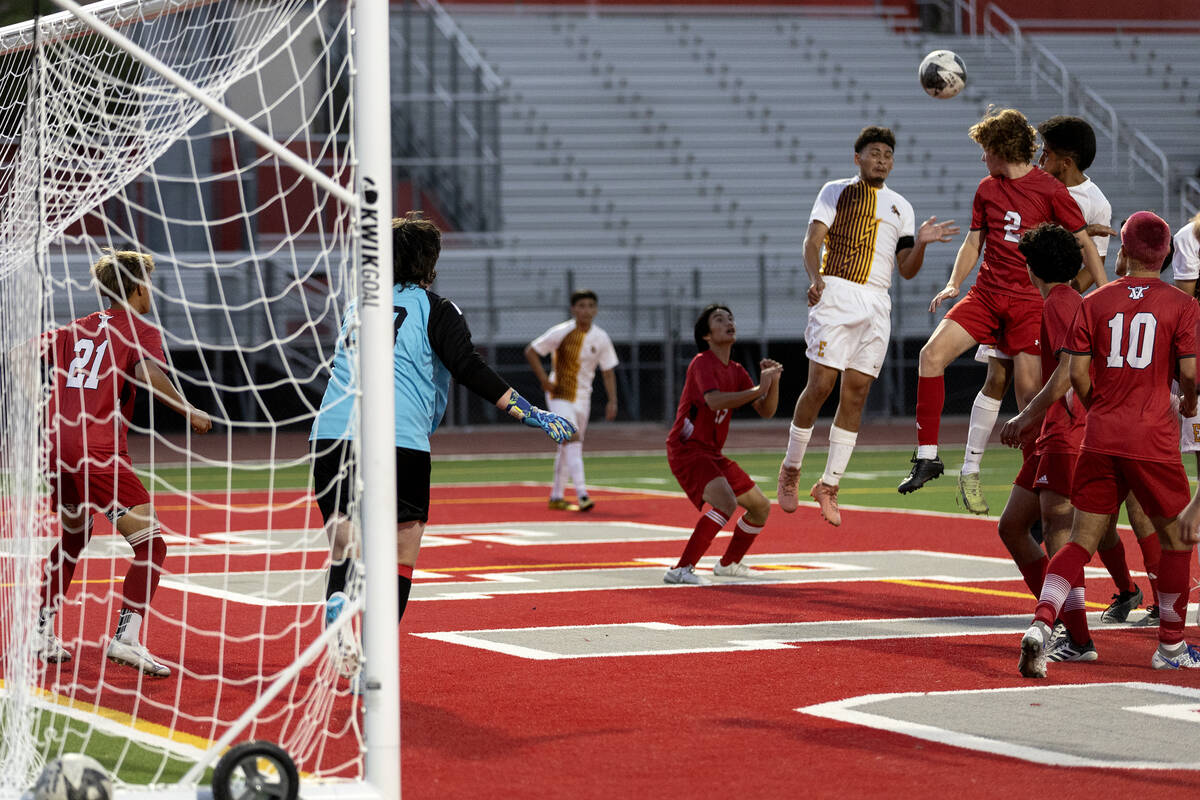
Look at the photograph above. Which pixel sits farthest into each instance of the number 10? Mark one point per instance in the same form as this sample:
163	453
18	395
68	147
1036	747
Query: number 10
1141	340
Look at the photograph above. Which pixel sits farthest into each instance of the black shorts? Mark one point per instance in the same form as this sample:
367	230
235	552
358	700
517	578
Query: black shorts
333	470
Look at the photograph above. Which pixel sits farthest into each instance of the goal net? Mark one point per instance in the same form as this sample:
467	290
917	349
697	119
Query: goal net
253	229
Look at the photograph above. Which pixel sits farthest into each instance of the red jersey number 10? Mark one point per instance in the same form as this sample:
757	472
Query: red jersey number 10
1139	345
81	375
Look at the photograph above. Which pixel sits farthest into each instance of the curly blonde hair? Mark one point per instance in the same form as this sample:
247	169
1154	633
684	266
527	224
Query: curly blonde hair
1006	134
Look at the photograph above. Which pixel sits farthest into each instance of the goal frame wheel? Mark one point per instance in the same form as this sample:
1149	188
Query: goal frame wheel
246	753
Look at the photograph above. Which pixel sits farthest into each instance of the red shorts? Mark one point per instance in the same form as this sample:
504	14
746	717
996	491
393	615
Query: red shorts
1055	472
105	482
1010	323
696	467
1102	481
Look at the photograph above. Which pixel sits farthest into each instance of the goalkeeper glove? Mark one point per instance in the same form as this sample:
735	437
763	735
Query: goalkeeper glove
557	428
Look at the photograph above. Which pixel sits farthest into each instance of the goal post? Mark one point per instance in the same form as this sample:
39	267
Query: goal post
245	145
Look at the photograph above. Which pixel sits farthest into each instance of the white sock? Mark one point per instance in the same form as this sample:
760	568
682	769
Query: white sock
560	474
984	412
797	444
573	453
129	626
927	451
841	445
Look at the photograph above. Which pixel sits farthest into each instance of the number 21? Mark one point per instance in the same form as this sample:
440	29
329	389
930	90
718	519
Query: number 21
84	349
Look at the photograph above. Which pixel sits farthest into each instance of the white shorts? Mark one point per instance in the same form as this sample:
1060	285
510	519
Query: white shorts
850	327
577	413
986	351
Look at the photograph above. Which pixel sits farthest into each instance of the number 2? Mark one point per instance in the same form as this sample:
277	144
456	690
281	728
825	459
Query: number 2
1141	340
1012	226
84	349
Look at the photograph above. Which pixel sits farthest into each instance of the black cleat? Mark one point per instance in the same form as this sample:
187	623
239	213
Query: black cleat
1118	610
923	471
1148	621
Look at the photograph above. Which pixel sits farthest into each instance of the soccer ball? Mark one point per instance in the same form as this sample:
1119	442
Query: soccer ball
942	73
72	777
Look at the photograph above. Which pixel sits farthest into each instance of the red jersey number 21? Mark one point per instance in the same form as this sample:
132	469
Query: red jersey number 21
1138	345
81	375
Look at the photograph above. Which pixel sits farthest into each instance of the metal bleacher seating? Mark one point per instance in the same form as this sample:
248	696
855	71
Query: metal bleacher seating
695	143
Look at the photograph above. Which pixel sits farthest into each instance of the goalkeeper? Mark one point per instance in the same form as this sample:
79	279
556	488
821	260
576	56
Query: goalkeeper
433	343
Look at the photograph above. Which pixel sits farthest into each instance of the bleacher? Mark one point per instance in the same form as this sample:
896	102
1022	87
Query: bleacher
696	144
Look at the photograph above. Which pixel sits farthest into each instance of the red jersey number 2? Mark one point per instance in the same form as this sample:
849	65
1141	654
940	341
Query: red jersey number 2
1012	226
85	368
1138	346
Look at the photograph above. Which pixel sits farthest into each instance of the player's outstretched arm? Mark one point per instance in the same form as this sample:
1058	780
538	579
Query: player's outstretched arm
165	392
1056	387
964	262
768	401
910	259
1093	266
557	428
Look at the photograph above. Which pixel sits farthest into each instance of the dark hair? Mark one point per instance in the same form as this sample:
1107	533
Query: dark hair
583	294
416	245
702	329
1052	253
1006	134
872	134
1070	136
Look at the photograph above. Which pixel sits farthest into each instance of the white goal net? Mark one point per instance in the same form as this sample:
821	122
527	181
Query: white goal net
255	262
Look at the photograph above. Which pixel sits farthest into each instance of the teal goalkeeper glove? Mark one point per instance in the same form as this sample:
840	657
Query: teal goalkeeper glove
557	428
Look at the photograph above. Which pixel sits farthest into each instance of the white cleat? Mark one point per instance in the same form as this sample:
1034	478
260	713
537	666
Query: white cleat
735	570
344	649
1032	663
135	654
51	649
686	574
1187	658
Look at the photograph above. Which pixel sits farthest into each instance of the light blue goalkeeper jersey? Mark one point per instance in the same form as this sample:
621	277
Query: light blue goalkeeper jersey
422	380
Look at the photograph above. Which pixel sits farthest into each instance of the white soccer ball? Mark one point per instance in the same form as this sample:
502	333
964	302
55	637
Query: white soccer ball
72	777
942	74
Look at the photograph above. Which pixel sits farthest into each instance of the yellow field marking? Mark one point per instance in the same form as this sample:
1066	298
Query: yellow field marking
975	590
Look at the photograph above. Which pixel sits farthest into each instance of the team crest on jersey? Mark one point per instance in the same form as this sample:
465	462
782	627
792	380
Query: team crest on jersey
895	210
1137	292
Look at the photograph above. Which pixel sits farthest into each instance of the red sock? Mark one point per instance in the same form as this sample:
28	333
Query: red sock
931	398
1114	561
1151	554
1067	563
1173	579
743	536
1074	612
60	565
706	530
141	582
1034	574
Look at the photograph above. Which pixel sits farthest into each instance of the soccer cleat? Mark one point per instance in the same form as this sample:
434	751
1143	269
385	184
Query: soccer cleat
686	574
562	505
585	504
1032	663
1187	658
135	654
788	489
1065	649
735	570
344	649
1150	620
1057	634
50	648
1122	603
970	494
924	470
826	497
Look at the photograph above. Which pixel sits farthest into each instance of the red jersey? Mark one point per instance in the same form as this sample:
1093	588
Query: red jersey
1062	429
1135	330
695	422
92	360
1004	209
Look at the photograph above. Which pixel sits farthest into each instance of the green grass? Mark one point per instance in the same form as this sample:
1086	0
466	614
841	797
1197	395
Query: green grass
139	764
